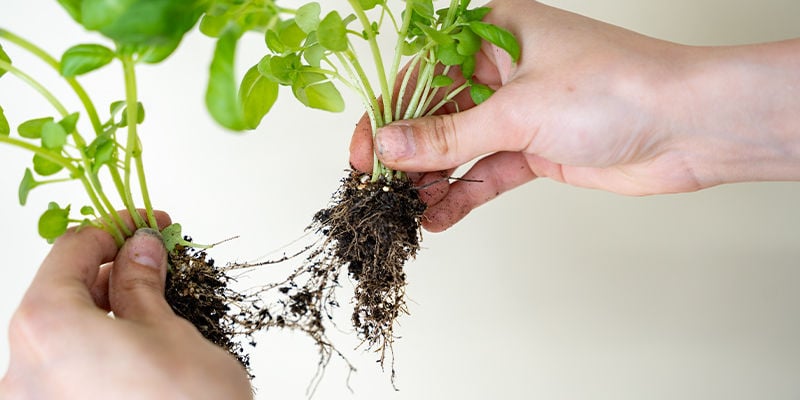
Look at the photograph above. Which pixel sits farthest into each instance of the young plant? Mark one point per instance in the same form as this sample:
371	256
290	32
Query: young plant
372	225
103	152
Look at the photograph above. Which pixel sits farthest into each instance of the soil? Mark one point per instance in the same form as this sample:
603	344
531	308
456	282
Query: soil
369	231
199	291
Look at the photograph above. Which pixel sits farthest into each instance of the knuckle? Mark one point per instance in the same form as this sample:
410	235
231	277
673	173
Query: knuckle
443	138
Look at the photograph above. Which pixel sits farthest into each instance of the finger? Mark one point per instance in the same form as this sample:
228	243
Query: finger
361	155
136	285
99	289
497	174
446	141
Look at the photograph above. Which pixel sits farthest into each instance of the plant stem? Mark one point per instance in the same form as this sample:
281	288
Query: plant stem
37	51
133	150
386	93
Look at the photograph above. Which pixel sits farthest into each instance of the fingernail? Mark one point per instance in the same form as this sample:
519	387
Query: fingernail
395	142
146	247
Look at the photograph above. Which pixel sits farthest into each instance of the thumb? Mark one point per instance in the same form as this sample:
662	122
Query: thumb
445	141
136	285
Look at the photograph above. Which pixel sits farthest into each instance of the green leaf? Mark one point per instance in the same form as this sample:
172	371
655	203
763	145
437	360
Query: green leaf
307	17
73	7
83	58
213	25
44	166
291	36
172	236
468	42
53	222
280	69
101	151
480	93
273	42
476	14
424	8
314	55
32	129
138	24
369	4
448	55
257	94
54	137
4	57
87	211
222	98
436	36
497	36
26	185
441	81
70	122
316	91
140	114
332	32
5	129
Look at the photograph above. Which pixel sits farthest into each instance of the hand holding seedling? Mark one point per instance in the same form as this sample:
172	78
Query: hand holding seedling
597	106
64	345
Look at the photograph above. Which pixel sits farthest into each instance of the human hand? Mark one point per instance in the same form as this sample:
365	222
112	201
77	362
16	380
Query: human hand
597	106
63	344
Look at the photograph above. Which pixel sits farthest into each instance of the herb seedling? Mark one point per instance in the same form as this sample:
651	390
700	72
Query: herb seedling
106	152
372	226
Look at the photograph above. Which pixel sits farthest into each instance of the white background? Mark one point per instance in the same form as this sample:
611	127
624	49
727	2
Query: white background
549	292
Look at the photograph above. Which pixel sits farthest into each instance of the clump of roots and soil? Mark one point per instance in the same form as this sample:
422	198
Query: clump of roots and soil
368	232
199	291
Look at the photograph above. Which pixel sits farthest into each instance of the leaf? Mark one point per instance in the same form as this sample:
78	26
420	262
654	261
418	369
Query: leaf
213	25
5	129
87	211
257	94
54	137
424	8
53	222
314	55
139	24
476	14
101	151
140	114
316	91
369	4
480	93
44	166
332	32
70	122
441	81
280	69
26	185
469	43
83	58
4	57
222	98
497	36
307	17
291	36
448	55
32	129
172	236
436	36
73	8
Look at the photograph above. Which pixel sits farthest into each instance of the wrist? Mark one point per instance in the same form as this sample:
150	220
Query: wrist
737	114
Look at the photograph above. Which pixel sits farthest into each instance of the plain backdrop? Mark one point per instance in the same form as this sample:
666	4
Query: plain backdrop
549	292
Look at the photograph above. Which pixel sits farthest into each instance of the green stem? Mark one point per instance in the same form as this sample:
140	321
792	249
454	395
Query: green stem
386	93
398	48
37	51
133	146
36	86
74	171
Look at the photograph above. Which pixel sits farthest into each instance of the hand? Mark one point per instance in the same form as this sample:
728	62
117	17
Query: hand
597	106
63	344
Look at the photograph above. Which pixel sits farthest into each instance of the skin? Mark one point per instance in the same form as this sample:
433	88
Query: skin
63	344
597	106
